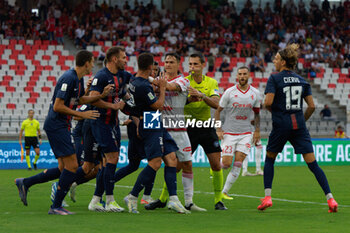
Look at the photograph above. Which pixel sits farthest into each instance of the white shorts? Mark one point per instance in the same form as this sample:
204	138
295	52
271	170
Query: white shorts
232	143
182	140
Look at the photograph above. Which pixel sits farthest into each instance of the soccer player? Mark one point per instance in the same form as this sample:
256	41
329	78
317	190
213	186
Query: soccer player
204	94
239	101
158	144
68	93
136	150
106	129
31	128
173	112
285	92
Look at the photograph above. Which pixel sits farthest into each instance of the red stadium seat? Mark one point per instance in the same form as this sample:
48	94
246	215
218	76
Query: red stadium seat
64	68
46	57
37	72
20	72
29	89
5	83
31	83
34	78
95	53
36	63
7	78
57	52
1	94
336	70
319	75
10	89
3	62
70	58
51	78
34	94
11	106
48	67
31	100
46	89
332	85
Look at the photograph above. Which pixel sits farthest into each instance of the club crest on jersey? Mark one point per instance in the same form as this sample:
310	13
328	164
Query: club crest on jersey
94	82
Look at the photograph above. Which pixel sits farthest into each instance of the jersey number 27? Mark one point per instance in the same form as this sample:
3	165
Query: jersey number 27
293	97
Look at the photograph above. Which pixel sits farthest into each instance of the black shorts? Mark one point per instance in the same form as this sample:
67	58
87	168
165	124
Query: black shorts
31	142
206	137
136	150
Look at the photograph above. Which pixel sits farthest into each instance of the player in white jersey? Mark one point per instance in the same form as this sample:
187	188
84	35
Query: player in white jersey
257	154
239	101
174	121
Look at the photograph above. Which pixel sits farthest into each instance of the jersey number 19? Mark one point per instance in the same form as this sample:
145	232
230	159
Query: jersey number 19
293	97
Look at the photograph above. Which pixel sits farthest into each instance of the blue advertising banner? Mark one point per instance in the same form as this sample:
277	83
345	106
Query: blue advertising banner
328	152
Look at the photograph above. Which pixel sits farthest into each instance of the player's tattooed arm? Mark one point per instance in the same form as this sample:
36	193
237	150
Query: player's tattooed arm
88	85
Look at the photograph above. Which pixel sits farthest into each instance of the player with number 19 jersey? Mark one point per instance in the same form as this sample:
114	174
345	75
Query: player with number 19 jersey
287	108
288	121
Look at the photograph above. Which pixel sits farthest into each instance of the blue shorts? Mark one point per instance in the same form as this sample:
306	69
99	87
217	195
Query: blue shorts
136	149
300	140
107	136
92	152
157	142
61	142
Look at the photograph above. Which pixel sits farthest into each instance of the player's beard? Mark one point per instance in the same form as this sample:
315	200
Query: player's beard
243	82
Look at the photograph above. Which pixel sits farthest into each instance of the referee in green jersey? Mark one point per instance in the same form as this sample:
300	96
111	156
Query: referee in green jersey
31	128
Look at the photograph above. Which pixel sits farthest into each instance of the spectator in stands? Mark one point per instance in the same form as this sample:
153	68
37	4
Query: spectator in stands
268	55
211	62
225	66
315	66
339	132
85	40
129	50
326	114
154	49
59	33
79	33
50	26
257	64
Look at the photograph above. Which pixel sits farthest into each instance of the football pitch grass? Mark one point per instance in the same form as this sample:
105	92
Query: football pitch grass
298	206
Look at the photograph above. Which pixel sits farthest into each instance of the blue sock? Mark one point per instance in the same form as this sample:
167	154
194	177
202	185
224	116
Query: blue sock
170	180
66	179
42	177
148	189
81	176
108	178
268	172
145	178
124	171
320	176
100	188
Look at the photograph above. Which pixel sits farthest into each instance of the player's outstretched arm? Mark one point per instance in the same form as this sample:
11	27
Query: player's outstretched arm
310	107
256	135
63	109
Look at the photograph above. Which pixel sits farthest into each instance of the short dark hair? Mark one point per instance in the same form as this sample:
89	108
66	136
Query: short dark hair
243	67
113	51
199	55
82	57
30	110
177	56
144	61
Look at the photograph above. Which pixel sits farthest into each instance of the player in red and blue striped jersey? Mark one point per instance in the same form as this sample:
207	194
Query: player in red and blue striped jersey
68	93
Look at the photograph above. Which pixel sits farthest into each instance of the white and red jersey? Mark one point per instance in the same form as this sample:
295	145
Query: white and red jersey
173	110
238	106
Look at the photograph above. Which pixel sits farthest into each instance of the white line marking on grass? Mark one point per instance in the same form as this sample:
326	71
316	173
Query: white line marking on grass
239	195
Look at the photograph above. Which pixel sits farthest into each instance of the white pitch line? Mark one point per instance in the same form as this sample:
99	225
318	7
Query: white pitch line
238	195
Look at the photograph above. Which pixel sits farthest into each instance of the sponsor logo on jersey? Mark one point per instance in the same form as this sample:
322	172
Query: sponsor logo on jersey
187	149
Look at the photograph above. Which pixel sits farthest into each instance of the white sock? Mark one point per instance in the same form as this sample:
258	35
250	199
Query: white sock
173	198
187	182
268	192
74	185
245	164
232	176
95	199
146	196
109	199
329	196
258	157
